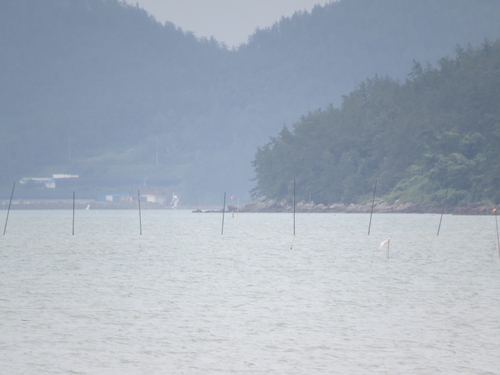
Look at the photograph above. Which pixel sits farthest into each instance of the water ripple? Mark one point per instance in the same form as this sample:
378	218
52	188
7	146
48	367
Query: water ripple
182	299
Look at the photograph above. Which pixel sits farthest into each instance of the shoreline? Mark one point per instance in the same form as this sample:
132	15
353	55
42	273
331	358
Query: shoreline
80	204
258	206
380	206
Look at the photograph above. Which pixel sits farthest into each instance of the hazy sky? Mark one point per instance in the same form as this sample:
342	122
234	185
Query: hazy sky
228	21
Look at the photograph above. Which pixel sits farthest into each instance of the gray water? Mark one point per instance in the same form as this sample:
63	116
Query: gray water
183	299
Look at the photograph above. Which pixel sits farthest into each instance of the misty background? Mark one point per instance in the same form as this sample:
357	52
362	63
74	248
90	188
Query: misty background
101	89
228	21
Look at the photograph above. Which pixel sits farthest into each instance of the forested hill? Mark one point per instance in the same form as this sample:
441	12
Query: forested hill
100	89
438	131
89	87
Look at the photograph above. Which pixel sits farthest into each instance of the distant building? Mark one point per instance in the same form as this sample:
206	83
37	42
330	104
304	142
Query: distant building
39	182
48	182
120	197
58	176
154	198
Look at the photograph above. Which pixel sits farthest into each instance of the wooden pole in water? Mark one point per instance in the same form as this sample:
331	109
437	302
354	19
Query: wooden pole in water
294	207
223	211
442	213
293	203
73	230
8	210
139	204
498	238
373	205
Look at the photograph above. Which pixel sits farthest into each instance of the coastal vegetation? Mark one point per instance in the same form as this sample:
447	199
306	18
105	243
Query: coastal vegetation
438	131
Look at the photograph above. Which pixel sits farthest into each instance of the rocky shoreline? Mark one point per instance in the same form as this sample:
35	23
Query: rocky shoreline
380	206
259	205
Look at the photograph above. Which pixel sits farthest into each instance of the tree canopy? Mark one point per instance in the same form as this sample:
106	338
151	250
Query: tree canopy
438	131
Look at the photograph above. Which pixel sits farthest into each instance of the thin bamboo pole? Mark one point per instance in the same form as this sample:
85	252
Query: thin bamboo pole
442	213
73	227
373	205
498	237
140	216
294	207
223	211
8	210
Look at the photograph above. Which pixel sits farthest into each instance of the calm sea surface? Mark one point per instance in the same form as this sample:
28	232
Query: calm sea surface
183	299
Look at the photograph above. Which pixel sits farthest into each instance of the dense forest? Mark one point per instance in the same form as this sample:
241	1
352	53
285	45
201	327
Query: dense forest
101	89
438	131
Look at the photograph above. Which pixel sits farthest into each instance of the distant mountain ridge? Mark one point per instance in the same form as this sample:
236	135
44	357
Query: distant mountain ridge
99	88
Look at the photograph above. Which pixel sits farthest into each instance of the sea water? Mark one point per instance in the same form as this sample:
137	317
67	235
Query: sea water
182	298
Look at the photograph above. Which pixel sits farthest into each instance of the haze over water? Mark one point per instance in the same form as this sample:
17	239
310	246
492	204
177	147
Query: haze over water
184	299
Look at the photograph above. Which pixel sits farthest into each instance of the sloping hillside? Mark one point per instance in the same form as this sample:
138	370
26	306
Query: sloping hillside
435	135
100	89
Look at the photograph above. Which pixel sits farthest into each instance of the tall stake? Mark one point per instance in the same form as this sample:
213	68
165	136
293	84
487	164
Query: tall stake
294	207
442	213
373	205
498	238
73	231
223	211
140	218
8	210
